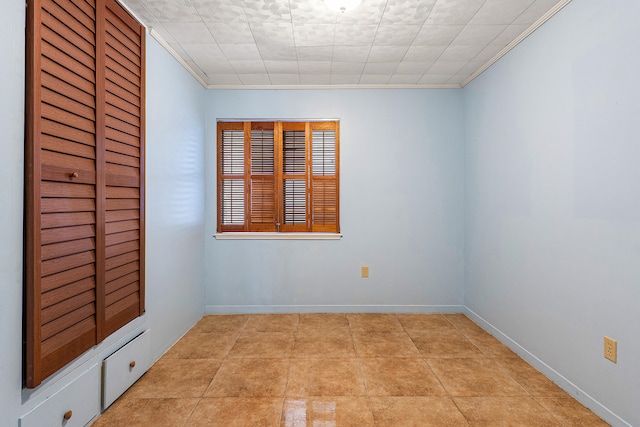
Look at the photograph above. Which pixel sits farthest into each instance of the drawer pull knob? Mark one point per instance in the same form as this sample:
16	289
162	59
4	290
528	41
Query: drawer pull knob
67	415
73	175
132	364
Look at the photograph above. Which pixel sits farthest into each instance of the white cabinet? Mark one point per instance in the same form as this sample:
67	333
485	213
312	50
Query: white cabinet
124	367
73	406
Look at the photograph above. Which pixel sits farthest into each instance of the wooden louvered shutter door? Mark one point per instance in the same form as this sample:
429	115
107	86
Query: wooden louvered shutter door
69	179
60	296
124	167
324	177
262	197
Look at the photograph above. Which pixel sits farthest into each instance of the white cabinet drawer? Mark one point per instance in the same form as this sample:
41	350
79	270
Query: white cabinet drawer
124	367
79	400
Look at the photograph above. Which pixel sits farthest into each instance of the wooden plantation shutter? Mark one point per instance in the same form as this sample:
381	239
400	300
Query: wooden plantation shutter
294	177
231	180
67	172
324	177
262	182
278	176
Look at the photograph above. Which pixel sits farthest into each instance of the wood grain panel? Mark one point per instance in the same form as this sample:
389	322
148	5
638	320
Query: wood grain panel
122	215
122	248
68	291
67	306
59	145
121	159
114	239
67	248
118	283
120	260
122	271
66	132
57	265
68	205
119	204
61	279
122	293
56	220
64	234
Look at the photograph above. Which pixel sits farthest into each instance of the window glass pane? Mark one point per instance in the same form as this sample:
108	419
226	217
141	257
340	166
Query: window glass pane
323	155
294	201
232	201
232	152
262	152
293	152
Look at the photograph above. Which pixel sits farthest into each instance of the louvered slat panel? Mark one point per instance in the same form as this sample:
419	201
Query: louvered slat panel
59	145
67	219
294	206
122	248
54	83
81	19
294	157
53	55
121	293
66	132
262	201
56	250
64	234
67	306
66	168
57	280
66	292
118	204
128	236
64	341
68	205
233	206
64	263
324	210
124	171
122	281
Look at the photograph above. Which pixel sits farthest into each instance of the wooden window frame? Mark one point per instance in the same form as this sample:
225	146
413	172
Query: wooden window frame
280	176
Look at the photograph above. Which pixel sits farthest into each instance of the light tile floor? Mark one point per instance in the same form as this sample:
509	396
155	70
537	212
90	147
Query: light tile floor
343	370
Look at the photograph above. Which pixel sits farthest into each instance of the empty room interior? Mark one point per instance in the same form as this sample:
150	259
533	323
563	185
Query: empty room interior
495	181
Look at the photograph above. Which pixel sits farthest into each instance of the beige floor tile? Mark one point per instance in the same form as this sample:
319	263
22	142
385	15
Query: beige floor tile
400	377
146	412
444	343
327	411
222	323
571	413
250	378
488	344
202	345
462	322
474	377
504	411
331	321
374	322
424	322
176	378
236	412
384	344
532	380
416	412
272	323
263	344
325	377
321	345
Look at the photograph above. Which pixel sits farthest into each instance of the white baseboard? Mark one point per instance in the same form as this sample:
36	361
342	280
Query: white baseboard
575	391
270	309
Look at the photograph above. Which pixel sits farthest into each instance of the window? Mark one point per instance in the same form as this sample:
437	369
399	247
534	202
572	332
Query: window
278	177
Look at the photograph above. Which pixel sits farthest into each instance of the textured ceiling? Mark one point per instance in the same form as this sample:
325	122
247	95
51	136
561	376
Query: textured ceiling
302	43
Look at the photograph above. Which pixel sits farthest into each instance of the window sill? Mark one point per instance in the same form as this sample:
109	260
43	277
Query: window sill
277	236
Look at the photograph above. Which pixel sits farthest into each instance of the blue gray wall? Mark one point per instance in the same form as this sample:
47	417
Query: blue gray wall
175	213
401	184
552	202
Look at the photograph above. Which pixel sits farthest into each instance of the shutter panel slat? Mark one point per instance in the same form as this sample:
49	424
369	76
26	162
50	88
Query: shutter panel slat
67	292
56	250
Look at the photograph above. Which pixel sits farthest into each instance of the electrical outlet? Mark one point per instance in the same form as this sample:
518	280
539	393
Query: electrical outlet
611	349
365	272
